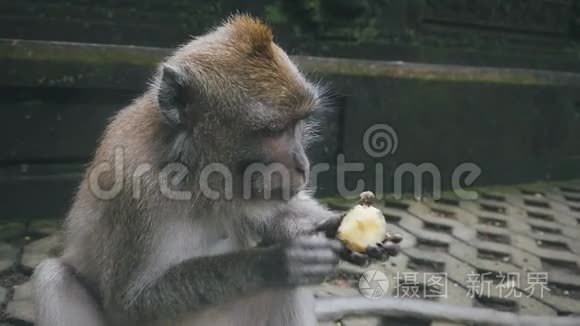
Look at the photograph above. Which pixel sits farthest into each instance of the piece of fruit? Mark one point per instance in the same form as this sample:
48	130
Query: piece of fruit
363	226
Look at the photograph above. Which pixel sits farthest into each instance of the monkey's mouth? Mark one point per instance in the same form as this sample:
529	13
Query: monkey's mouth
264	190
273	187
274	181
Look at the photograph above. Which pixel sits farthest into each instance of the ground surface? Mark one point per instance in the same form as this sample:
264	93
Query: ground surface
514	249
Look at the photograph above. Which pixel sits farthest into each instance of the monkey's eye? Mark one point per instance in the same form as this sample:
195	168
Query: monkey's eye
277	130
273	131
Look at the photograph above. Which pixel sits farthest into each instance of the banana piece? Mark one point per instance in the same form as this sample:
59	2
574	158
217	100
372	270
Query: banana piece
364	225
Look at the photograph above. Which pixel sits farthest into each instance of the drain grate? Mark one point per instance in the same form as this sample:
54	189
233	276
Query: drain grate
541	216
496	303
532	193
436	227
565	290
493	208
570	190
396	205
492	221
536	203
424	265
492	197
544	229
432	245
550	264
555	245
493	255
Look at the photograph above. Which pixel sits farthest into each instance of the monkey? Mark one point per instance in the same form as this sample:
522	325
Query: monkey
175	246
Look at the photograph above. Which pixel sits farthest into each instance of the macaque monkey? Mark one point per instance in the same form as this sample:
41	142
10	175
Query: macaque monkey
178	242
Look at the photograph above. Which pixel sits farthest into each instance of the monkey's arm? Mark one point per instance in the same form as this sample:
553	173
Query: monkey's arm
212	280
201	281
302	215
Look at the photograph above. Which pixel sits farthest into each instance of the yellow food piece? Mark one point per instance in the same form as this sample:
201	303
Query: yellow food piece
362	226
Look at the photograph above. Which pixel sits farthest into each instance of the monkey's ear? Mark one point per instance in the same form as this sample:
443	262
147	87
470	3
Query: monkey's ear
173	96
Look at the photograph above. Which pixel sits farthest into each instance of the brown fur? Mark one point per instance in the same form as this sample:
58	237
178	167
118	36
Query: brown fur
241	55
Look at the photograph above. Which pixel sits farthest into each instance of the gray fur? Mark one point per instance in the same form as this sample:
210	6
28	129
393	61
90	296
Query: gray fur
151	260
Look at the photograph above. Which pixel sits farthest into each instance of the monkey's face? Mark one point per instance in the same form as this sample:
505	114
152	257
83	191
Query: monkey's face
277	167
267	122
244	103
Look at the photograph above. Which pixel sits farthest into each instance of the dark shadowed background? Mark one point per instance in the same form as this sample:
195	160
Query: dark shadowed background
493	82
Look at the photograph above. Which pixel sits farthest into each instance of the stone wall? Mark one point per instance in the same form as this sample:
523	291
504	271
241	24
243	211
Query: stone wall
495	83
514	33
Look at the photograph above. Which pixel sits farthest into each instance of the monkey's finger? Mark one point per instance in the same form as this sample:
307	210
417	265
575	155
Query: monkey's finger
337	246
394	237
391	249
376	252
355	258
330	225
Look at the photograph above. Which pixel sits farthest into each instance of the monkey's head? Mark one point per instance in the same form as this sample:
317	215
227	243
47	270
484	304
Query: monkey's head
241	103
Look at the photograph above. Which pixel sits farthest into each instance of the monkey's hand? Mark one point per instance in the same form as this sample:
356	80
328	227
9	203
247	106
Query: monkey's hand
330	225
386	248
306	260
380	251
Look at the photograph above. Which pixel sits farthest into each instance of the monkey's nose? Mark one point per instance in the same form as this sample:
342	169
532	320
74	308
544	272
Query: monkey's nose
301	171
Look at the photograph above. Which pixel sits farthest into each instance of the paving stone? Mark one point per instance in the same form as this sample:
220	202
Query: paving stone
21	310
21	306
37	251
494	234
504	231
8	256
3	294
23	292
